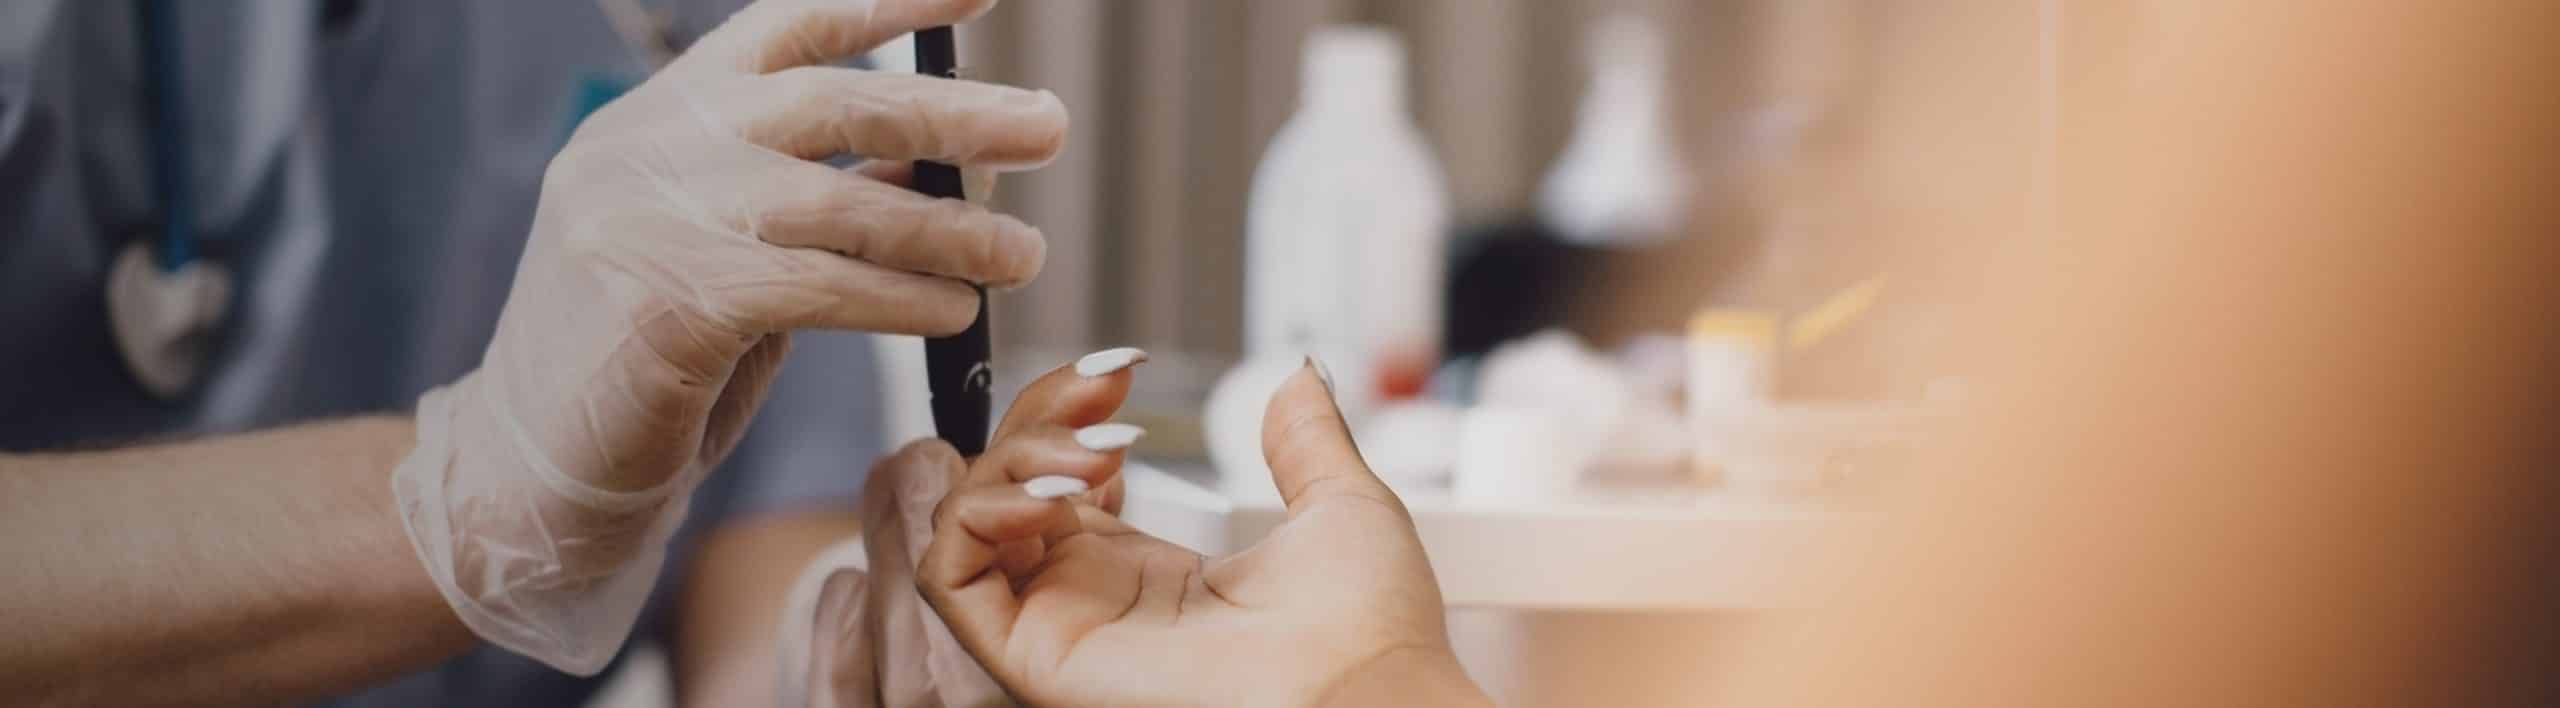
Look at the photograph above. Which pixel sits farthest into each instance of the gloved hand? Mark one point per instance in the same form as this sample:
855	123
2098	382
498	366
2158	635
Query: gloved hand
1336	605
682	234
855	633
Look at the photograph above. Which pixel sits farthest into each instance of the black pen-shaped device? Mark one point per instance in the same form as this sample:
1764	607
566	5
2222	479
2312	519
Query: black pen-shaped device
958	368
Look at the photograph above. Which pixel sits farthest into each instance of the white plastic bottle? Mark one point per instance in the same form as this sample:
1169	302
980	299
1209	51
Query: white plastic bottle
1620	179
1347	221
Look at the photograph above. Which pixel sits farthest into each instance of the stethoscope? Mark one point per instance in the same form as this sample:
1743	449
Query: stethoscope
165	299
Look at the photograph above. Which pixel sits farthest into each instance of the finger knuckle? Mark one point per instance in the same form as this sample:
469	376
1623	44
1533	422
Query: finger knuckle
803	200
942	216
881	124
587	245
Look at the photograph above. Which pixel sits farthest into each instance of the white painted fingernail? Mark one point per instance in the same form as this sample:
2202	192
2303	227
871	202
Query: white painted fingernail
1323	375
1102	363
1109	436
1054	486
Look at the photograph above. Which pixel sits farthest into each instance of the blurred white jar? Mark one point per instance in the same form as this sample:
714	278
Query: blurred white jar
1513	455
1346	222
1231	423
1732	371
1620	179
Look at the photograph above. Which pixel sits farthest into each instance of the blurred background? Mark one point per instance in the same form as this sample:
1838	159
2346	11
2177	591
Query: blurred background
1629	299
1694	265
1812	140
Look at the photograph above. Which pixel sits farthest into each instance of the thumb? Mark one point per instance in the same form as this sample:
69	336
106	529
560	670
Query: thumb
898	499
748	386
843	661
1313	460
825	650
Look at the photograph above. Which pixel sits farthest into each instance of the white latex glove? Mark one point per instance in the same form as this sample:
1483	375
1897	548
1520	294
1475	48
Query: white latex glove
855	632
682	233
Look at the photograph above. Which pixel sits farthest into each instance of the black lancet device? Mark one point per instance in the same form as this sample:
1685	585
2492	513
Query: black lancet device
958	368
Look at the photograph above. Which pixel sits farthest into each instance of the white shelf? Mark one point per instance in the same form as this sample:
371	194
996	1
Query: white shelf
1621	550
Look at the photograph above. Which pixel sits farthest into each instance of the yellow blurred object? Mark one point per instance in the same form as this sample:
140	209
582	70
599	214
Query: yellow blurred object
1753	327
1732	369
1820	322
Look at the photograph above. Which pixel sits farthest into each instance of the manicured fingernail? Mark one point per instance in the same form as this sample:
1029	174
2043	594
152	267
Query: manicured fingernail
1102	363
1054	486
1109	436
1323	375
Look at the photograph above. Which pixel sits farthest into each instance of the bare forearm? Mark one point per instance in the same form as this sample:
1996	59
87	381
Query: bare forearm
251	569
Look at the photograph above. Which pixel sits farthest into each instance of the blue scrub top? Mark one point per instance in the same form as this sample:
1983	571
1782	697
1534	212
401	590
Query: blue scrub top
368	170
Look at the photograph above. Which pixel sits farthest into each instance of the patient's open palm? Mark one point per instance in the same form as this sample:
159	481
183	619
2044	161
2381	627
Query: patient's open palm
1111	616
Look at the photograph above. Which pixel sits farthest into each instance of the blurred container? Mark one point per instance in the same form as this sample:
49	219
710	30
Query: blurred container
1346	223
1732	370
1232	423
1620	179
1517	455
1413	444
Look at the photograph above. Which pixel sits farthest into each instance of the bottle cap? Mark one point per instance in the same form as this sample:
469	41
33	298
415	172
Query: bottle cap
1751	327
1353	66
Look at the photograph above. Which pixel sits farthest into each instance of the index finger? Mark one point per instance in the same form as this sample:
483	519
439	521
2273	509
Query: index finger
821	111
1076	395
773	35
959	574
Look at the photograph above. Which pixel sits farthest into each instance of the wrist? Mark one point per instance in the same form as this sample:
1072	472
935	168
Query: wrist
471	489
472	479
1406	676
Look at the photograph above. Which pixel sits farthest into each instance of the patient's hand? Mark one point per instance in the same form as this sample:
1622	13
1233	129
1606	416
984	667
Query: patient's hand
856	634
1336	605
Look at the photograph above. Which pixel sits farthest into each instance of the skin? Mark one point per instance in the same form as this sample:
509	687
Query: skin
257	569
272	567
1337	605
2272	421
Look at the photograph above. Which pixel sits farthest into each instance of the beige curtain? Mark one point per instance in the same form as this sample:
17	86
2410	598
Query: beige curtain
1174	101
